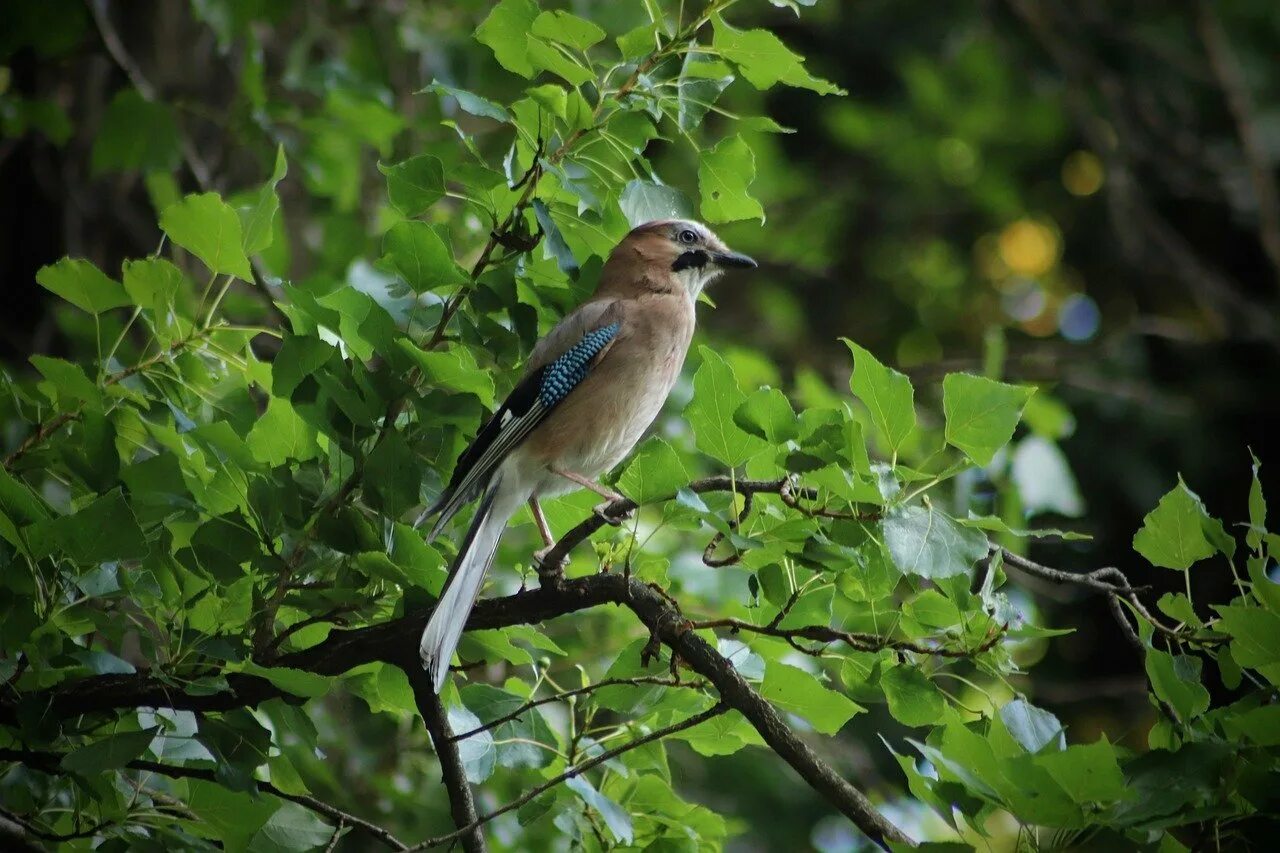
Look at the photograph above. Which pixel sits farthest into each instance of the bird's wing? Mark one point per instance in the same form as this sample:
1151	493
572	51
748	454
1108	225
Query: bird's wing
579	343
569	331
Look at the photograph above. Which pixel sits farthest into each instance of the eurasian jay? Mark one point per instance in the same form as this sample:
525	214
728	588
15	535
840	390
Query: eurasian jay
590	389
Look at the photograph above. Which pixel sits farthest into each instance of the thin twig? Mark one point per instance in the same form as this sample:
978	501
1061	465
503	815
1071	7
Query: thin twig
860	641
590	688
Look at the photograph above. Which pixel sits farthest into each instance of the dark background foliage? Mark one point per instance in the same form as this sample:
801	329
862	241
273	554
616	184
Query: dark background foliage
1084	190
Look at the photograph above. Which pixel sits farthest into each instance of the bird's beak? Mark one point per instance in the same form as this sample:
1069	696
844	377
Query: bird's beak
728	259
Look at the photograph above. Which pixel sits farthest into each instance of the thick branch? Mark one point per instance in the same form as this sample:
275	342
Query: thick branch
461	803
666	623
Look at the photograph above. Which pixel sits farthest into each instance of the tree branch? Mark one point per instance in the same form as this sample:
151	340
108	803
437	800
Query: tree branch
461	803
590	688
666	623
861	642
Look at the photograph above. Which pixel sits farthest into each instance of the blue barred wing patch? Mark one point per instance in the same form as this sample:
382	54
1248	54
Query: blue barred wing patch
563	374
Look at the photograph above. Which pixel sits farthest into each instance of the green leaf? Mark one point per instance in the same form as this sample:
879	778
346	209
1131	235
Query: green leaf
516	741
291	829
505	29
299	357
421	257
724	174
478	753
1173	534
455	370
385	688
297	681
1176	680
644	201
1255	634
1257	725
1033	728
1257	509
567	28
415	184
637	42
981	413
392	476
104	530
135	134
914	700
470	102
655	473
993	524
767	414
280	435
207	227
765	61
800	693
716	396
153	283
70	384
926	542
110	753
83	285
615	816
701	82
258	219
1088	773
234	816
545	55
887	394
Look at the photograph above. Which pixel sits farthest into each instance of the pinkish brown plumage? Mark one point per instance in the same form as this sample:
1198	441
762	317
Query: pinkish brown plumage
561	428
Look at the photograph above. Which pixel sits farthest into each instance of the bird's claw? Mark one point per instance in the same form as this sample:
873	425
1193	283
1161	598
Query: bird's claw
540	558
602	510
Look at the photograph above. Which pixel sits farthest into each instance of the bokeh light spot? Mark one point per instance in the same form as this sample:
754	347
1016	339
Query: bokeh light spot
958	161
1079	318
1028	247
1082	173
1025	301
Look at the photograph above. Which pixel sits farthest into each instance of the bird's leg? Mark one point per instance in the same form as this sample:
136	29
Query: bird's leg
544	530
541	520
608	494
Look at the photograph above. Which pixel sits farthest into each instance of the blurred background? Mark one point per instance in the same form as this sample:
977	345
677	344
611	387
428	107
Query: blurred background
1083	193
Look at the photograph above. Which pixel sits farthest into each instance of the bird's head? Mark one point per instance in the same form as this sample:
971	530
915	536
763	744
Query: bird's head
687	251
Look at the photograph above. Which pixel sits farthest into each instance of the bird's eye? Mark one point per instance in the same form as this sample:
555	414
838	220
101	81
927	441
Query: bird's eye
688	237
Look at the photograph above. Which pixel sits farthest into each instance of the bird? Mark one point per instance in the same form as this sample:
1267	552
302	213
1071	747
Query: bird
590	389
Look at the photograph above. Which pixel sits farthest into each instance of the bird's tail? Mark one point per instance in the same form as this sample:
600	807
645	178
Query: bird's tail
444	628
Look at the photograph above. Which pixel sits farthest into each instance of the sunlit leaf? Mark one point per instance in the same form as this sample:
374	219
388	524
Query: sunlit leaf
207	227
981	413
1172	535
83	285
724	174
887	394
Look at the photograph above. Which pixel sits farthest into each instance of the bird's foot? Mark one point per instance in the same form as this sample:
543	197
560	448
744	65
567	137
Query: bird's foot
603	510
540	560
